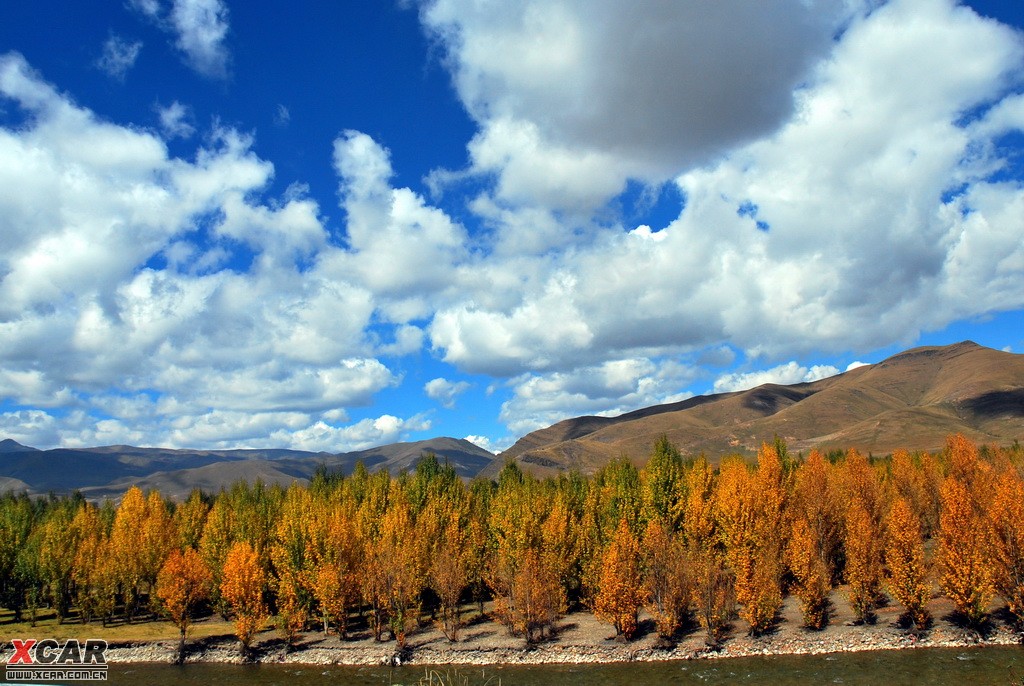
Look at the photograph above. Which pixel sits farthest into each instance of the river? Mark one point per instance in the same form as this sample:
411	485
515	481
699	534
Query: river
963	666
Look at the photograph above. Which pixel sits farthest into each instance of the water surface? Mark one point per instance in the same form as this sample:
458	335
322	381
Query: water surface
987	665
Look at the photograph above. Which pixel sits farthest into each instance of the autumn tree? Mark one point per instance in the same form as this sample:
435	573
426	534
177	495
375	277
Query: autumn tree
448	576
714	596
863	561
335	553
620	589
905	561
189	519
290	555
159	537
243	585
810	573
750	517
128	548
818	500
667	578
183	583
536	599
214	544
395	552
662	484
1007	518
964	555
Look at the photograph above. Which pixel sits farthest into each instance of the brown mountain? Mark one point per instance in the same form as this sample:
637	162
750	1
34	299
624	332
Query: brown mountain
109	471
912	400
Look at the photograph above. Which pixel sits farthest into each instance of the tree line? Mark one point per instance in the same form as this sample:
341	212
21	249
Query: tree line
692	543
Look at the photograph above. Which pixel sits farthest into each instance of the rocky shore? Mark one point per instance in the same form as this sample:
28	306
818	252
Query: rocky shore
580	639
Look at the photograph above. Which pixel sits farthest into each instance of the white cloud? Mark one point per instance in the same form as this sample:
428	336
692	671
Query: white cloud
400	248
209	352
366	433
860	249
445	391
784	374
857	364
200	28
282	116
176	120
119	55
574	96
607	389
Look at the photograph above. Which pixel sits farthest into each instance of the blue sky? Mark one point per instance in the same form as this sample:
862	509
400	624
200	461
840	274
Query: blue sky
334	225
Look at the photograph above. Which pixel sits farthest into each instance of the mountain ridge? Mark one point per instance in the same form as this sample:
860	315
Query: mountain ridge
108	471
912	400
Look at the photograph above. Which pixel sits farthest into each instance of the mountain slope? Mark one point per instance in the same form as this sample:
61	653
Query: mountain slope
911	400
110	470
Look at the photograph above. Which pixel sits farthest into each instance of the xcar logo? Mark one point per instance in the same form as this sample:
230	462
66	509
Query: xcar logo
51	660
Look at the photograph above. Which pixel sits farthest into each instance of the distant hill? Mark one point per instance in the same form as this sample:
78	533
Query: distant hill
912	400
108	471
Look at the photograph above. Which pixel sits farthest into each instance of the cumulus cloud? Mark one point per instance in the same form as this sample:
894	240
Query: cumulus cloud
573	97
119	55
607	389
445	391
209	353
364	434
402	249
784	374
868	244
200	28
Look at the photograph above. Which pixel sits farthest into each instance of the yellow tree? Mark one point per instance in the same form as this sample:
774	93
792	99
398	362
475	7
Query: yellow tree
128	547
214	544
863	560
536	599
87	568
750	517
714	596
243	585
448	576
159	537
189	519
667	578
698	527
289	552
620	589
810	573
818	501
397	552
183	582
905	560
964	555
1007	517
334	551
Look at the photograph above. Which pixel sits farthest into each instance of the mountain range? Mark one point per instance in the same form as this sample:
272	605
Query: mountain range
912	400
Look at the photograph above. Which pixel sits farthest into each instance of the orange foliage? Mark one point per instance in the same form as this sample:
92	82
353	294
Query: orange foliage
863	560
1007	516
243	585
964	542
904	558
620	591
183	582
810	574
